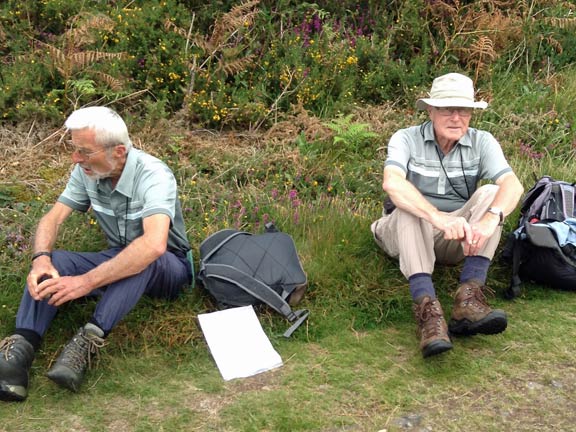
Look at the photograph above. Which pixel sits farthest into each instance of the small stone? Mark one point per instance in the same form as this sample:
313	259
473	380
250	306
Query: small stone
408	421
556	384
533	385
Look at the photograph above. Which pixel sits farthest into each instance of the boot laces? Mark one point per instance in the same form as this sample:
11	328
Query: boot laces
477	296
78	353
430	318
6	346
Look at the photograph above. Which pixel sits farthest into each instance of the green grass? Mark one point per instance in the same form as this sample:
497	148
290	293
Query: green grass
355	364
348	380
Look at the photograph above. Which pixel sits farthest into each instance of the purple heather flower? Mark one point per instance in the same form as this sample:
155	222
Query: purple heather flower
316	23
296	217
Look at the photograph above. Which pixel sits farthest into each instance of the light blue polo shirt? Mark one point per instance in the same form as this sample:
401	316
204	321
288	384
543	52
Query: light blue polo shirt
146	187
477	156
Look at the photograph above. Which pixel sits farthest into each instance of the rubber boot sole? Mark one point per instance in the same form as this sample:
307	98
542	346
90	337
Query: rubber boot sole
65	377
493	323
12	393
436	347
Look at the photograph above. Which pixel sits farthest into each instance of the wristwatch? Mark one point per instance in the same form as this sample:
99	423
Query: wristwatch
498	212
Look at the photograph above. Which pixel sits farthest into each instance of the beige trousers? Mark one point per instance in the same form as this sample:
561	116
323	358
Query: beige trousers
418	245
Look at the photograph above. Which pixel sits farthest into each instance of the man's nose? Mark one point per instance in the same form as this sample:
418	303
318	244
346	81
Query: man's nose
77	157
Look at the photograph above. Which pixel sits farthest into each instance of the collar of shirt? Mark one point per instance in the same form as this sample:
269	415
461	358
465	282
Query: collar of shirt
125	184
428	133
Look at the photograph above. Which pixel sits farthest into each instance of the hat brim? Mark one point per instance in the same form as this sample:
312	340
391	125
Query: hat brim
449	102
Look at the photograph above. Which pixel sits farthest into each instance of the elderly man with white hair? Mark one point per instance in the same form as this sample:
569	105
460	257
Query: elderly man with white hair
133	196
437	212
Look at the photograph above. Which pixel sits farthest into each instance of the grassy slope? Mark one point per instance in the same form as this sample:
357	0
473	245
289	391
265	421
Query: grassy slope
351	379
356	365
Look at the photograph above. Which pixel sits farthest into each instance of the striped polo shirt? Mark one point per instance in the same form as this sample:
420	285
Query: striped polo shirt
146	187
446	181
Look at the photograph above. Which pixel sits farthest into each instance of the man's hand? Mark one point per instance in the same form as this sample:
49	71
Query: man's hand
481	231
60	290
42	269
454	227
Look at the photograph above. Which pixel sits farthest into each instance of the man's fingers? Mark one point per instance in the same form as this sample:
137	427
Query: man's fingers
469	233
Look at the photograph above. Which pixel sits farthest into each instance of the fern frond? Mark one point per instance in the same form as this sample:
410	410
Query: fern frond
170	26
483	48
235	66
80	60
56	56
204	44
82	28
232	52
233	20
352	135
555	44
340	124
561	23
115	84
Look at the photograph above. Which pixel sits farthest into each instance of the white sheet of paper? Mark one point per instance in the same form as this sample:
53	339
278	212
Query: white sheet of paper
237	342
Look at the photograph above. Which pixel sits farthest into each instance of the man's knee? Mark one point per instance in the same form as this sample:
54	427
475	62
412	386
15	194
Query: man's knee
61	260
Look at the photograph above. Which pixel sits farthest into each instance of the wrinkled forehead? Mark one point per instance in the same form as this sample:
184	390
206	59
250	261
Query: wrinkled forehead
85	137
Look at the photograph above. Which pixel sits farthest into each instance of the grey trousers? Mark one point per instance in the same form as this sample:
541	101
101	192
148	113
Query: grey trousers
164	278
418	245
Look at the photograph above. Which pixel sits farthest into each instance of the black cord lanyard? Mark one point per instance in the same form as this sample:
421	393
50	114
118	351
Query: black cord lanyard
444	169
124	240
448	178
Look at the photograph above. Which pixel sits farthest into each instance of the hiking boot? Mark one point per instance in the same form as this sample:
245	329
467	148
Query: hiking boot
16	356
75	358
432	328
471	314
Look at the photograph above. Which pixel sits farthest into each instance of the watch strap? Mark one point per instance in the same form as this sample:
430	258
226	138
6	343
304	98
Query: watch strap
499	213
42	253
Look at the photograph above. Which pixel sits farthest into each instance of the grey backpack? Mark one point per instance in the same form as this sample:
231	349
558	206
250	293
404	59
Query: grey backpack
534	249
239	269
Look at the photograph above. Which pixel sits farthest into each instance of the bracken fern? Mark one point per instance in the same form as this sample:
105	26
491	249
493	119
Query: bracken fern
352	135
70	60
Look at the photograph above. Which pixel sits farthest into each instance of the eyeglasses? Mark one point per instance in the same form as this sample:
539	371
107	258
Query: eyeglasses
86	153
450	111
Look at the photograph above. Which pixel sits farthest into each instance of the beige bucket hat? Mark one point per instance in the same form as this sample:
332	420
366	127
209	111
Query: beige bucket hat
451	90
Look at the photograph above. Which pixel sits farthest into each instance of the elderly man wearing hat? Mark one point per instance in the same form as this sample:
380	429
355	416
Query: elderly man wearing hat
436	211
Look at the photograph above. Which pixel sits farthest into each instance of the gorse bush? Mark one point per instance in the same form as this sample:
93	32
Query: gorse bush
245	64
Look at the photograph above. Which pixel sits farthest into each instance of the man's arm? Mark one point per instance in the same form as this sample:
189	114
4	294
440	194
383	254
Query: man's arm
509	193
44	240
134	258
406	197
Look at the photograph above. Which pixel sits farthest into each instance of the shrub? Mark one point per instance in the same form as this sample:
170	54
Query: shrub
245	64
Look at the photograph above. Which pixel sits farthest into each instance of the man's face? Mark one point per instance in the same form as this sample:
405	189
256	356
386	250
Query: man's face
93	158
450	123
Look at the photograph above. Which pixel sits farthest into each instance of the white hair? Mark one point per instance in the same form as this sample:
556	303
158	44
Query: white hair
109	127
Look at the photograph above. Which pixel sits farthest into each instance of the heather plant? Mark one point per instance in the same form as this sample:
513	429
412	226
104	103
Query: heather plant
247	64
355	363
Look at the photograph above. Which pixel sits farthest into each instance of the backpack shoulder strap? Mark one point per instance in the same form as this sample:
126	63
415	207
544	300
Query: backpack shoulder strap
515	289
567	191
259	290
216	241
534	200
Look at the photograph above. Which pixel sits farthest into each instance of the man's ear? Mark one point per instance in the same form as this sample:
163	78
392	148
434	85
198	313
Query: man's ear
119	151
